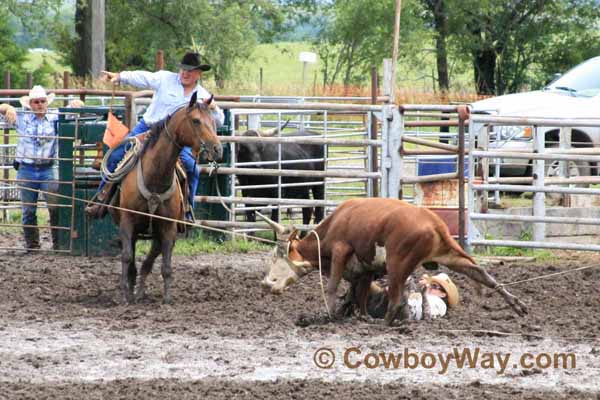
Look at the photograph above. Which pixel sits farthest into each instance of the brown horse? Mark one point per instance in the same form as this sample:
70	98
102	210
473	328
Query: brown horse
151	188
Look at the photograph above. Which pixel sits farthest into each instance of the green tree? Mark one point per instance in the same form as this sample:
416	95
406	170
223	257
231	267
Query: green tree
358	34
508	40
11	55
226	31
435	13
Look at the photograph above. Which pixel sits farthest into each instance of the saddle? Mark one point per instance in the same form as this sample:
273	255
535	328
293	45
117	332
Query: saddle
111	195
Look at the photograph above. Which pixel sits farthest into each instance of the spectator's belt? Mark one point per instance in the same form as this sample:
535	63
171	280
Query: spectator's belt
40	164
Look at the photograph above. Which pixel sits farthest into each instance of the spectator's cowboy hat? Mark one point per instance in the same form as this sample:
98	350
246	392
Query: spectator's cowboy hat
191	61
36	92
446	283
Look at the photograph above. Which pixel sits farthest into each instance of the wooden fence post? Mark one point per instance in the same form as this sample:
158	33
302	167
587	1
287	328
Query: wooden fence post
160	60
66	79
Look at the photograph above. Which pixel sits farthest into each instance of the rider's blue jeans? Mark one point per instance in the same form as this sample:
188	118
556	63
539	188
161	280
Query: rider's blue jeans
186	158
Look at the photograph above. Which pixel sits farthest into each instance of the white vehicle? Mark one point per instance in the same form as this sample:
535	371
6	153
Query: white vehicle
574	95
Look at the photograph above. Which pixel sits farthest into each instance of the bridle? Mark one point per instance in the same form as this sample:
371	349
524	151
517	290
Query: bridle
203	147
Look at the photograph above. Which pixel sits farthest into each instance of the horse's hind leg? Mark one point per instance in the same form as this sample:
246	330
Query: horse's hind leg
167	243
147	267
129	272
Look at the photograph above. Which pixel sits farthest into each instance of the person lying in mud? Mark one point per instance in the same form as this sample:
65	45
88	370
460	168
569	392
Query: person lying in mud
430	298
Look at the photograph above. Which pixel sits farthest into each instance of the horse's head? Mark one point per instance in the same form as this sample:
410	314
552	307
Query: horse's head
195	127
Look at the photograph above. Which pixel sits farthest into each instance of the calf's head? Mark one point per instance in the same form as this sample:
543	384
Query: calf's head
250	152
286	266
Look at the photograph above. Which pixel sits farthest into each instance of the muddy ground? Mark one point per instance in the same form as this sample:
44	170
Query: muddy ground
65	333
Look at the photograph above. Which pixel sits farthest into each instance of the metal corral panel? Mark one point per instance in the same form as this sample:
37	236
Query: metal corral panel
90	237
208	184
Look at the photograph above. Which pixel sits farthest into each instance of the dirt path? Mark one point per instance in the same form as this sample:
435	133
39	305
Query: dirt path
65	333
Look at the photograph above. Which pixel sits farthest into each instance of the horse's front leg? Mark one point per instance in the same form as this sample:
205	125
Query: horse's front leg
147	267
129	272
167	243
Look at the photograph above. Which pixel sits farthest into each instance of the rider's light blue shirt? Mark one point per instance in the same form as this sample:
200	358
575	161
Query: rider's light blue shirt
168	94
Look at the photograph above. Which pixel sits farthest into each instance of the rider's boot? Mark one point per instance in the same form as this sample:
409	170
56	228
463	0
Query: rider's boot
99	209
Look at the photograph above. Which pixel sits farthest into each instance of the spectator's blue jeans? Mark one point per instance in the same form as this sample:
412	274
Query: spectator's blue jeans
37	179
186	158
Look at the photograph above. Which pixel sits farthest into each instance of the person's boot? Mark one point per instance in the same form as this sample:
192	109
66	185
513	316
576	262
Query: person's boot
54	232
32	238
99	210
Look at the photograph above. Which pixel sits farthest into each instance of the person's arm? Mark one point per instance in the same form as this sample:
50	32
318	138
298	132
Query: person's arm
9	113
216	111
139	79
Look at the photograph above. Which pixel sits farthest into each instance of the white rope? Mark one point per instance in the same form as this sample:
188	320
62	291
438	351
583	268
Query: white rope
179	221
544	276
321	272
126	164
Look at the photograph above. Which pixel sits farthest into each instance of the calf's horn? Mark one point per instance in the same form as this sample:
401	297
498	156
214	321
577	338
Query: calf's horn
272	132
275	225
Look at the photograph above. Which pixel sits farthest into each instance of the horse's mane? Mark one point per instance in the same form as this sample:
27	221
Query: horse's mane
155	130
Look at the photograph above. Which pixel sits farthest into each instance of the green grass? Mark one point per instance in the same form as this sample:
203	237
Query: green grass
280	64
203	244
281	67
282	71
36	58
502	251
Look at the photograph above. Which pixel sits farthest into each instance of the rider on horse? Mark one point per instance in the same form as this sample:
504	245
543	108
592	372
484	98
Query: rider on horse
171	90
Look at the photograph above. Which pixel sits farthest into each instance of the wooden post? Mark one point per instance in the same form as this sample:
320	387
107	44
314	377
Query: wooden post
374	161
66	82
160	60
6	79
388	86
260	82
29	80
395	50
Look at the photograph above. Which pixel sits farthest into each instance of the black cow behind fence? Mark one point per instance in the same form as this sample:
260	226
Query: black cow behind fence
260	151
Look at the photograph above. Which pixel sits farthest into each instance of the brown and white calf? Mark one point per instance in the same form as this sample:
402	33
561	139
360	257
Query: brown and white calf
358	229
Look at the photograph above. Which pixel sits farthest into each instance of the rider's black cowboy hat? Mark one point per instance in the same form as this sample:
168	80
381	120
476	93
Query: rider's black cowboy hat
191	61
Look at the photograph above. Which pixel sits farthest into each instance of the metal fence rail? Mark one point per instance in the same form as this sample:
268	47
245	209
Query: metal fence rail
539	185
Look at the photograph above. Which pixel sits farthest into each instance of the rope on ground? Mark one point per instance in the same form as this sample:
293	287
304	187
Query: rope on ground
545	276
187	223
479	332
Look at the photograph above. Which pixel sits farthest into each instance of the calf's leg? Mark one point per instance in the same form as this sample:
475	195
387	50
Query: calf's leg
340	255
399	267
478	274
